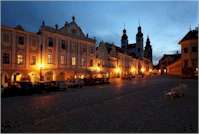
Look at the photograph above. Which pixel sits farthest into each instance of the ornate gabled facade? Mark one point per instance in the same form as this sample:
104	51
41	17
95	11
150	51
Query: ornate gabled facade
50	54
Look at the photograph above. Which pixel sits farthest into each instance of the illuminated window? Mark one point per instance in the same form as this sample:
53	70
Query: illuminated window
73	61
82	63
20	59
6	58
50	59
33	61
62	59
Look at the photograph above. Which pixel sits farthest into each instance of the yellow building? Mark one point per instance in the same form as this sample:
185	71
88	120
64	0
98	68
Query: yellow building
51	54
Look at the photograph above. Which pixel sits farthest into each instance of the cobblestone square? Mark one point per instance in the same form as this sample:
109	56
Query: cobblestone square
122	106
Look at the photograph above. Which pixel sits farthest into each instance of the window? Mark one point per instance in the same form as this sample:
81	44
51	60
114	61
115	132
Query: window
91	63
194	49
84	49
50	60
194	62
6	37
73	61
20	59
92	50
138	49
185	63
185	50
82	63
6	59
63	44
21	40
50	42
62	59
34	44
33	61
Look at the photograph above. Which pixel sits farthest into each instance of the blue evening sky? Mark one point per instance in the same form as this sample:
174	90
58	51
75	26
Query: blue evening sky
165	22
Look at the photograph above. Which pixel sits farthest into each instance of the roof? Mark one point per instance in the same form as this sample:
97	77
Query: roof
191	35
173	56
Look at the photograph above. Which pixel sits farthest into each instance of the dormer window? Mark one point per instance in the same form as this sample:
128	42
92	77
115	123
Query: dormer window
50	42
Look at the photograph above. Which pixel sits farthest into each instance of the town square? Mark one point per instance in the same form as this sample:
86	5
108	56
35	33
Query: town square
91	67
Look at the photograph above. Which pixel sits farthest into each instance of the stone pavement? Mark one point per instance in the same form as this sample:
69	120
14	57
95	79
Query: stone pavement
122	106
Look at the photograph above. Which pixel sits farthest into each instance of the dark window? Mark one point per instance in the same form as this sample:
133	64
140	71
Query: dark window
63	46
185	63
185	50
21	40
50	42
194	49
6	59
92	50
138	49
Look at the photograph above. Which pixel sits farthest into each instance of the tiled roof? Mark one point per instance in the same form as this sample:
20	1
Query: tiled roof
192	34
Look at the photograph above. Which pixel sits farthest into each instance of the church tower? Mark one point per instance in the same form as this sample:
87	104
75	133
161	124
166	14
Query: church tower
139	43
148	50
124	40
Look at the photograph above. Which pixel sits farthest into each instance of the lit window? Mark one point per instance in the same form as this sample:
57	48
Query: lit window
50	60
82	63
6	59
73	61
62	59
33	61
20	59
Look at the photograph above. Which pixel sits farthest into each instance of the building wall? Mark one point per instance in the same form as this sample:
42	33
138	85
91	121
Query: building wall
175	68
189	58
82	49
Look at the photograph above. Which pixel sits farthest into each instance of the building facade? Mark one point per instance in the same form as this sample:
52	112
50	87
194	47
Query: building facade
189	50
175	68
51	54
118	63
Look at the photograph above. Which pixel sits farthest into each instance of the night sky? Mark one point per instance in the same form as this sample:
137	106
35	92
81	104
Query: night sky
165	22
